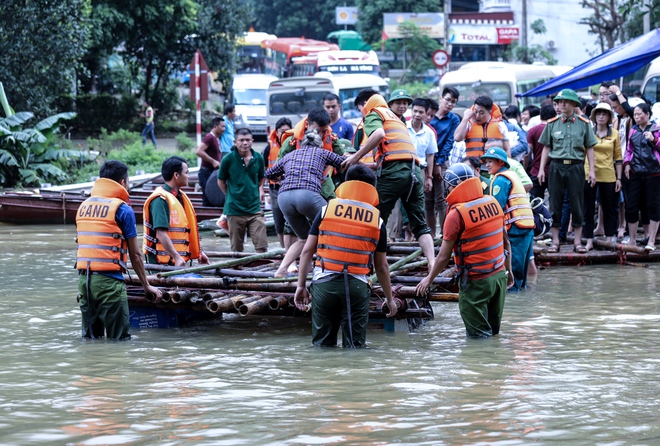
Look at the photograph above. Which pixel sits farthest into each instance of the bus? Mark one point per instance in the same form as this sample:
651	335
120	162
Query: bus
294	97
279	53
250	52
500	81
337	62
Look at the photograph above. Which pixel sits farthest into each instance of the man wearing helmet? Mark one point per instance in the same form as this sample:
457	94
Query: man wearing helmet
475	231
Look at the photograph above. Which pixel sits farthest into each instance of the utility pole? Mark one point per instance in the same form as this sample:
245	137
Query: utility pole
647	18
523	40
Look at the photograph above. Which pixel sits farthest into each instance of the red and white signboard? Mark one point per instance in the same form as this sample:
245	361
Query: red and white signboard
506	36
440	58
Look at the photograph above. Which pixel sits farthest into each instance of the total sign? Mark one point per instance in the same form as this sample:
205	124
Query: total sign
482	35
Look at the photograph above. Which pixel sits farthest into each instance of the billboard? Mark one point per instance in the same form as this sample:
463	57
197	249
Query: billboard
433	23
346	15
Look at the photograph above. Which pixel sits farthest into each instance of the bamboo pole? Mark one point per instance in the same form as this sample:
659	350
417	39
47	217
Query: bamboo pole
278	302
619	247
396	265
224	264
256	306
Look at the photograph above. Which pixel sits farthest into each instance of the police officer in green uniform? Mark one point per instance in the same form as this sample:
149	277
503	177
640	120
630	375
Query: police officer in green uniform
399	102
566	138
397	179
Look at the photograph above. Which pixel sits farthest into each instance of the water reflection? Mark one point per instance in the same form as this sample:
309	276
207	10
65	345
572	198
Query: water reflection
577	363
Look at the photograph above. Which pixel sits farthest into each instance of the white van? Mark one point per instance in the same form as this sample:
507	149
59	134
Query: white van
294	97
499	80
651	84
249	98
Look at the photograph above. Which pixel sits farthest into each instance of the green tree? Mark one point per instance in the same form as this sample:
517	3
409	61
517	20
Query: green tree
633	12
418	48
41	45
605	22
535	52
297	18
370	24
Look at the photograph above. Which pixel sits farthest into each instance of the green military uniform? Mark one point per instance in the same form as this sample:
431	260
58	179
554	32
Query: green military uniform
328	186
394	183
568	137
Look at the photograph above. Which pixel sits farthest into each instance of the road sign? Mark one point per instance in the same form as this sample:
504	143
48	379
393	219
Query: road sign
440	58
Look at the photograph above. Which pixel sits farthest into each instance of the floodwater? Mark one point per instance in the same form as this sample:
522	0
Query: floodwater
577	363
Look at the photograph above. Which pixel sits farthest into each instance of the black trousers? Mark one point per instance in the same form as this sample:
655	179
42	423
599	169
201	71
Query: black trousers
609	200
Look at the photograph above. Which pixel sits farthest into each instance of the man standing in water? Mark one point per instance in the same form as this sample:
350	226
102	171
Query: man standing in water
170	224
475	231
209	152
347	235
106	232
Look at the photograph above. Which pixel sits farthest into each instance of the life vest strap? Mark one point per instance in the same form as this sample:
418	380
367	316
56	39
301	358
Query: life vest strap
102	234
108	248
520	217
353	237
344	264
490	234
471	266
479	251
518	196
338	248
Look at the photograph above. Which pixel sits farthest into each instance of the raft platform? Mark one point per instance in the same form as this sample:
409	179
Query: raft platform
242	285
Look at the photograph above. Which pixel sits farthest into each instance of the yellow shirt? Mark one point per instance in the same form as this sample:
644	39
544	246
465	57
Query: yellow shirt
607	152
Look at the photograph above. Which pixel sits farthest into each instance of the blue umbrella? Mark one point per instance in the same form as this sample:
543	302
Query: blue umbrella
617	62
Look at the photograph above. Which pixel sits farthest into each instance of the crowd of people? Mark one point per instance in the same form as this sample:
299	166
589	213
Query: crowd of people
477	181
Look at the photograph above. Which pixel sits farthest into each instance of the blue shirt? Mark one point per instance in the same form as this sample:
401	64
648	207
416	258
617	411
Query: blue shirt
343	129
227	138
445	129
522	147
125	218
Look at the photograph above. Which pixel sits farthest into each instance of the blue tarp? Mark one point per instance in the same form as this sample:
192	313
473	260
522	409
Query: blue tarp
617	62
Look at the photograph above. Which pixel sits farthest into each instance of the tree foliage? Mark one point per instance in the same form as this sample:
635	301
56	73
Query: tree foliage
370	23
41	45
157	37
296	18
533	52
605	22
418	48
27	153
633	12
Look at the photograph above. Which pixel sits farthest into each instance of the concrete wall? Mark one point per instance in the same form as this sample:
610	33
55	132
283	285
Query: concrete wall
572	43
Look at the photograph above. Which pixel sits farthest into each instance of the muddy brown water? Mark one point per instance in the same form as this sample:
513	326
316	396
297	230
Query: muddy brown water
577	363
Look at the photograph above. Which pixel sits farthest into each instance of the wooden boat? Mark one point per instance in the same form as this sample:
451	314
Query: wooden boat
242	285
59	204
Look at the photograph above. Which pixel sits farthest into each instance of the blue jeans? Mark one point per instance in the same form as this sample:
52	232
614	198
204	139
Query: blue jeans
148	131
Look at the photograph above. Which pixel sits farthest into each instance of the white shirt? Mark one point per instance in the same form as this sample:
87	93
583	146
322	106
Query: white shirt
424	142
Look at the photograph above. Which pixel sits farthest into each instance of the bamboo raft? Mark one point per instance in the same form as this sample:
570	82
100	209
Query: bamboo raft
242	284
604	252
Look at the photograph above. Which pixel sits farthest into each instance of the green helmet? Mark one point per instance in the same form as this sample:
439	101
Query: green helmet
568	95
399	94
346	145
496	153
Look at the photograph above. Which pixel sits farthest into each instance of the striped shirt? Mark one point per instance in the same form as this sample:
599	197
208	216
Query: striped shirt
303	168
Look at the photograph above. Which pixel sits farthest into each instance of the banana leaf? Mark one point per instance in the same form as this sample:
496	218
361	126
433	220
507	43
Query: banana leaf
51	124
16	120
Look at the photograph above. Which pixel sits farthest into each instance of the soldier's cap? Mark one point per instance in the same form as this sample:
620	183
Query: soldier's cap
496	153
568	95
399	94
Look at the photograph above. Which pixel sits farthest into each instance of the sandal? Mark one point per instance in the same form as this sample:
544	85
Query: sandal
649	248
579	249
553	249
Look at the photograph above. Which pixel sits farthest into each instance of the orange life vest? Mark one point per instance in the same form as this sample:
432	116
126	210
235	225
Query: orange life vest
350	229
482	135
275	145
182	231
480	249
518	209
397	144
101	243
369	157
